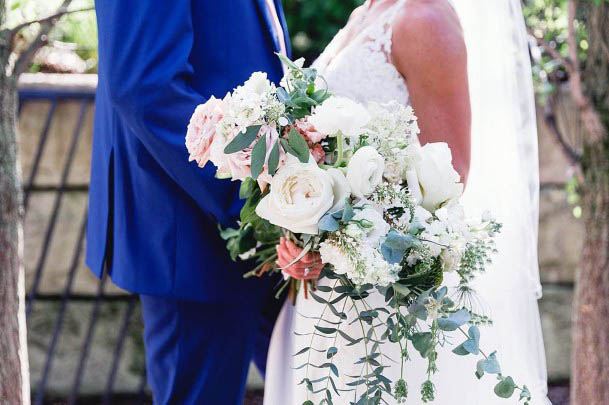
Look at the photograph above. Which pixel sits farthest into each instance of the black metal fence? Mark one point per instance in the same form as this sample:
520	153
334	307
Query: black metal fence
127	319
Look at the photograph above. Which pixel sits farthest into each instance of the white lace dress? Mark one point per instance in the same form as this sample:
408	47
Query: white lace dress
361	69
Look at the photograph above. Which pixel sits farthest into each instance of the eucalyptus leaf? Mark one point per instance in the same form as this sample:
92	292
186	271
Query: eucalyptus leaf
325	330
328	223
491	365
258	157
423	343
505	388
274	159
395	245
454	320
348	212
304	350
299	145
460	351
242	140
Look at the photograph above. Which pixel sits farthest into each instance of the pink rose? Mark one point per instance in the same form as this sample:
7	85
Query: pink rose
238	165
318	153
202	130
308	131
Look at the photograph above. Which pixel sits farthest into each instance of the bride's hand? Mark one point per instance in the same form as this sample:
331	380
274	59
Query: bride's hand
429	51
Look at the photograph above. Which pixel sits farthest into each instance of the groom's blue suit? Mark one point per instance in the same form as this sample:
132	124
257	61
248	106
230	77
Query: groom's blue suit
152	214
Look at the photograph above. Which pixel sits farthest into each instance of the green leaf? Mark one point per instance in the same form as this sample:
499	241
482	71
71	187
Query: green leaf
525	393
242	140
299	145
324	330
505	388
274	159
454	320
490	365
308	402
286	147
248	186
328	223
258	157
331	352
472	344
348	212
282	95
423	343
401	289
306	349
395	246
460	351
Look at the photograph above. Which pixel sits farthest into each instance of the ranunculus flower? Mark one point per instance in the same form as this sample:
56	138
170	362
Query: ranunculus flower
202	130
365	171
340	114
301	193
307	267
434	179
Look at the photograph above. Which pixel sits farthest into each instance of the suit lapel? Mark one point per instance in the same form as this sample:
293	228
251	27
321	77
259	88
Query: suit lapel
284	26
268	22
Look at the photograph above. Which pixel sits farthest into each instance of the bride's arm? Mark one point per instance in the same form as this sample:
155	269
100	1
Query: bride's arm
429	51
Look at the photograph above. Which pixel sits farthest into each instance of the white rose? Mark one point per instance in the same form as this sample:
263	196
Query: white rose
301	193
365	171
340	114
257	83
378	227
434	181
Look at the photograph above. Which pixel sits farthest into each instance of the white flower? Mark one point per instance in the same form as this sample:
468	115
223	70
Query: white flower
451	259
301	193
365	171
377	228
339	114
374	269
332	254
434	176
257	83
354	230
363	264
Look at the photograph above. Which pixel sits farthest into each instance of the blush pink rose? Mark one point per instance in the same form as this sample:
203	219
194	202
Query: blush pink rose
308	131
202	130
318	153
307	268
237	166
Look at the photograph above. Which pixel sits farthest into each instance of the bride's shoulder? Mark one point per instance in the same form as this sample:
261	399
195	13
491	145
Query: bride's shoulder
427	30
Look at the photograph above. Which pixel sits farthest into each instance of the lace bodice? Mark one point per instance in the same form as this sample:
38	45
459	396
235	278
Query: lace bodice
361	69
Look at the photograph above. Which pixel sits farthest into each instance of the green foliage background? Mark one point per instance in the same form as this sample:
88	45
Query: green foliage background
313	23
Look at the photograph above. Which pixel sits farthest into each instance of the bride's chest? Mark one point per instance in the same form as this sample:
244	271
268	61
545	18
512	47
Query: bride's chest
363	71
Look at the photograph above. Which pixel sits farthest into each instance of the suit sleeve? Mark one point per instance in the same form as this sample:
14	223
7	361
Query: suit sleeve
144	50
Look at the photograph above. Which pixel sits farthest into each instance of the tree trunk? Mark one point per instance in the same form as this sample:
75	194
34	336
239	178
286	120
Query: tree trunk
14	382
590	362
590	371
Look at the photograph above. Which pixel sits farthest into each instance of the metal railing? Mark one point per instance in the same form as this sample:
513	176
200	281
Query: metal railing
40	386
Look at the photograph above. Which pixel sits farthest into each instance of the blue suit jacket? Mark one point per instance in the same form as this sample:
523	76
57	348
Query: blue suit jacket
153	215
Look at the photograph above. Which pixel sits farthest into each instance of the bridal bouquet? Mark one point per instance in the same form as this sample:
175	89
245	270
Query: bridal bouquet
340	191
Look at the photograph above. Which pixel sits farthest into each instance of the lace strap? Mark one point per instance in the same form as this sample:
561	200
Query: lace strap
380	34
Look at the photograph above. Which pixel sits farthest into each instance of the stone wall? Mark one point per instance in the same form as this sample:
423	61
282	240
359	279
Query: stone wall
559	247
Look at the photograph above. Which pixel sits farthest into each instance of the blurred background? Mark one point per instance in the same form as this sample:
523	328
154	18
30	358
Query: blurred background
84	337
